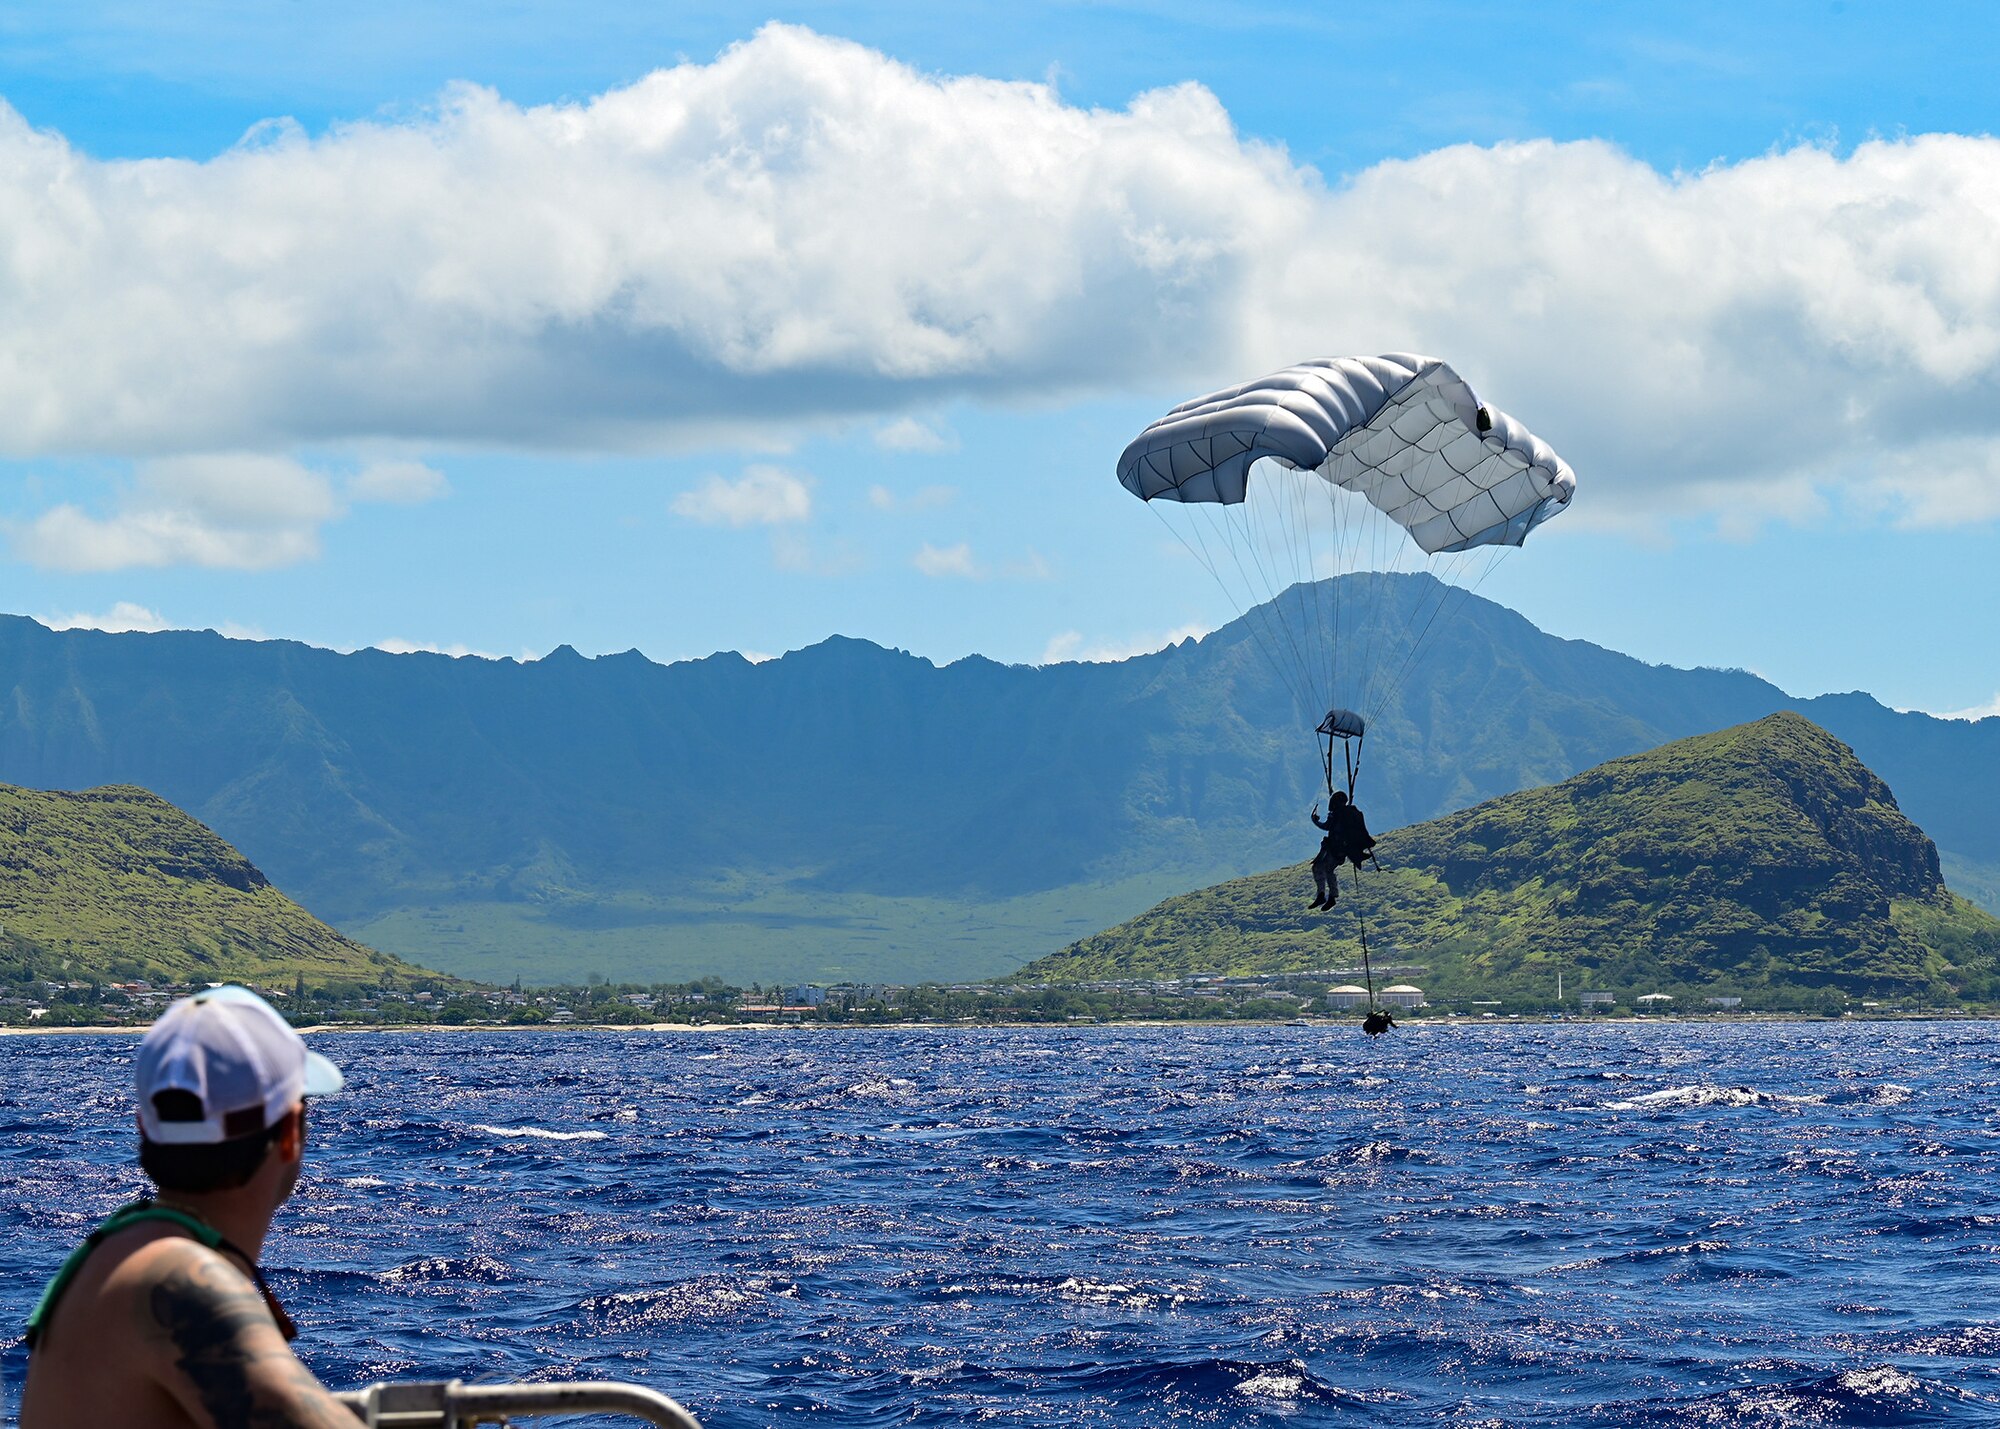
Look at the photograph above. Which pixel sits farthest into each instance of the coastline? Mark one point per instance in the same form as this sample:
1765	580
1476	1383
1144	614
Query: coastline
1413	1024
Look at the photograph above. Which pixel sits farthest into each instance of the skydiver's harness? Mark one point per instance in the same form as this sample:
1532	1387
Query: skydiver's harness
138	1213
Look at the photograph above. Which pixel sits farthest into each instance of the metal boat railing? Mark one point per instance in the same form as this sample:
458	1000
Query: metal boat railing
453	1404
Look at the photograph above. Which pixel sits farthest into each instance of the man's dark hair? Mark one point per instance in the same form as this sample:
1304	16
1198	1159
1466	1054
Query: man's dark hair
203	1166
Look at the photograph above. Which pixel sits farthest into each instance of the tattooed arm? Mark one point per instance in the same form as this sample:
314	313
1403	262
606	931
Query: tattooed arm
220	1355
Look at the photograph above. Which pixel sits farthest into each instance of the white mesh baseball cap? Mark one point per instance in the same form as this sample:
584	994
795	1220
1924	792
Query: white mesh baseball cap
229	1066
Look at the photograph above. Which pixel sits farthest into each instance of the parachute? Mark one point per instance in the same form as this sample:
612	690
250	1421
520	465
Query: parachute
1384	464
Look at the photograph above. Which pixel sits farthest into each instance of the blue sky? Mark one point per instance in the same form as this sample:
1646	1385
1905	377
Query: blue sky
818	331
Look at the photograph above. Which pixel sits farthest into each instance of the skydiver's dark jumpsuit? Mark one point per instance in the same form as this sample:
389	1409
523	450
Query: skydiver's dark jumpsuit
1351	834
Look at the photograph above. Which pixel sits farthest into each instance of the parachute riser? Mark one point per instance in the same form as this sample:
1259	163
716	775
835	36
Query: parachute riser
1350	759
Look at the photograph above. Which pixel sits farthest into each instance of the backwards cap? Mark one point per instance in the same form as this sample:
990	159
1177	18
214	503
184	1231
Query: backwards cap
236	1064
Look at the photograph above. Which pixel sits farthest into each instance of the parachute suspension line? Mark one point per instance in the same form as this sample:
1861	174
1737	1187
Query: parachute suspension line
1208	564
1361	921
1395	641
1302	524
1337	651
1294	674
1282	542
1367	964
1351	530
1431	603
1260	529
1413	631
1453	599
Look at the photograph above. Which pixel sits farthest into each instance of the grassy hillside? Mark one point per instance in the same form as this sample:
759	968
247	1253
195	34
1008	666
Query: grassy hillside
117	883
1762	857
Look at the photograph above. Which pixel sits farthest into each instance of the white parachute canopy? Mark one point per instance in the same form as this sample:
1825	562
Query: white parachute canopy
1388	464
1406	432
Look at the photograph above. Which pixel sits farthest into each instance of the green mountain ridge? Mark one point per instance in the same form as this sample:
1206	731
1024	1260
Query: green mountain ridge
849	811
1761	858
117	883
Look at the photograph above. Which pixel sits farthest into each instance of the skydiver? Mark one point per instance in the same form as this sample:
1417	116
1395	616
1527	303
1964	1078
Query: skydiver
1377	1022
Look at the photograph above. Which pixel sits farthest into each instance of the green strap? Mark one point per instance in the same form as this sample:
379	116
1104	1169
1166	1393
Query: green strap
135	1214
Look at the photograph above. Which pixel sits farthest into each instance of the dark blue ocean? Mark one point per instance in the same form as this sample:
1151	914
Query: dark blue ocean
1568	1224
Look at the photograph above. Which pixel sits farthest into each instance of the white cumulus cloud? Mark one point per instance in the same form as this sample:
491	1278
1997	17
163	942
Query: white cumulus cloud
907	434
231	510
797	553
1989	710
924	498
123	616
400	483
1071	646
763	241
456	650
240	511
948	561
957	561
761	496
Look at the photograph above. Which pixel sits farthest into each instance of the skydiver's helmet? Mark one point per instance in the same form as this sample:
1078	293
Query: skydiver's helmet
1335	799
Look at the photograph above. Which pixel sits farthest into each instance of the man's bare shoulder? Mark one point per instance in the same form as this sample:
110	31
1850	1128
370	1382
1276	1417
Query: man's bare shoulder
219	1350
173	1283
101	1358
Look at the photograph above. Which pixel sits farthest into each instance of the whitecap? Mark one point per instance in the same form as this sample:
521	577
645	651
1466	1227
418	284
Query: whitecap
1881	1380
1272	1385
881	1087
538	1133
1702	1095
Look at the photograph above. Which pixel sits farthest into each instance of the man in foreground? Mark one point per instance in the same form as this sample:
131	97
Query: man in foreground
162	1318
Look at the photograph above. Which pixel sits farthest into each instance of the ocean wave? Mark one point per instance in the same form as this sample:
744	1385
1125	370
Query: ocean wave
1215	1381
1706	1095
1876	1395
1072	1289
881	1088
538	1133
1643	1255
1966	1342
483	1269
704	1297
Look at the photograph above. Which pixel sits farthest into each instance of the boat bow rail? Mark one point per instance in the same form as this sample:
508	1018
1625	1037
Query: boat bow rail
452	1404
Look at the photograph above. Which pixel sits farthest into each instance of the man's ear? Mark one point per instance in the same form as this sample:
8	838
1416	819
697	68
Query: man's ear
291	1137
